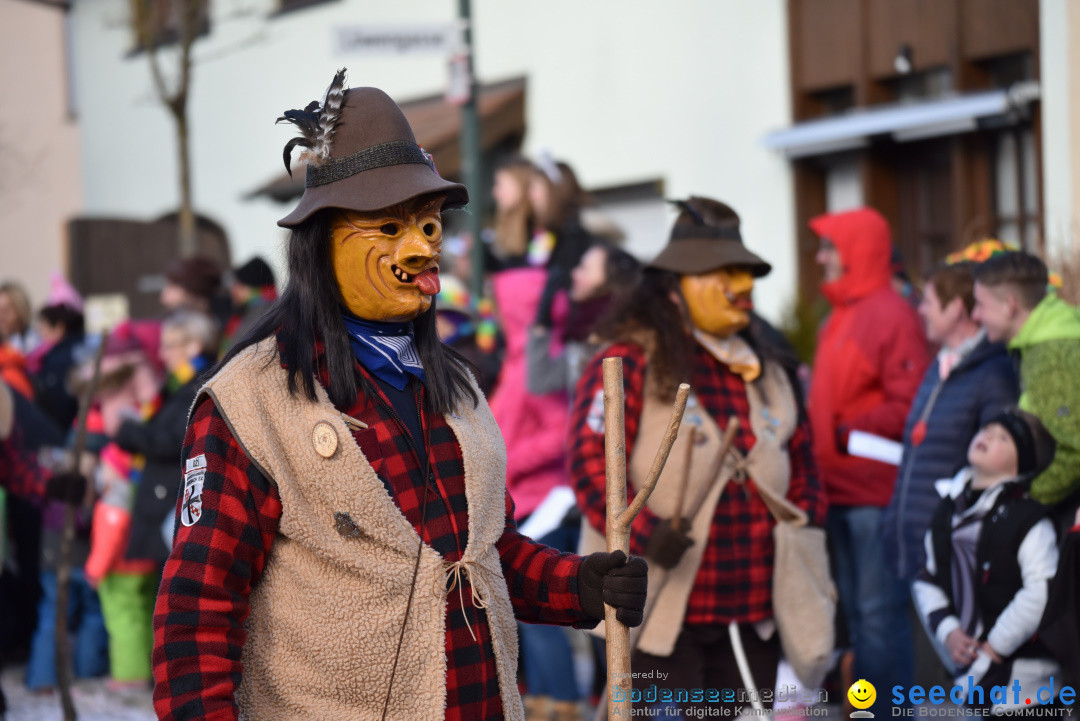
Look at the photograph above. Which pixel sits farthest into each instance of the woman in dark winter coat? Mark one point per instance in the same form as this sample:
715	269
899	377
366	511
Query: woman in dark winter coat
971	380
61	329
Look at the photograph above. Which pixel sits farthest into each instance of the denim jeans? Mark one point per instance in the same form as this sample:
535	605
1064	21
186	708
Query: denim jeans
873	600
90	656
546	655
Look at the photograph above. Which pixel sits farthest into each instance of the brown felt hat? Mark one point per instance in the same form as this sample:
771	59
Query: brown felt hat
706	237
373	160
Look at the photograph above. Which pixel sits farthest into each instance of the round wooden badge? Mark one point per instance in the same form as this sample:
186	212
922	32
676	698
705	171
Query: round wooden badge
324	438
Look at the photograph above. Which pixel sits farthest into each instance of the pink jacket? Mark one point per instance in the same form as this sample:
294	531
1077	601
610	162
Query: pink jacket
534	427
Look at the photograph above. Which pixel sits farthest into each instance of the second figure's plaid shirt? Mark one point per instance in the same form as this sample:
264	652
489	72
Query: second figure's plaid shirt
734	582
203	601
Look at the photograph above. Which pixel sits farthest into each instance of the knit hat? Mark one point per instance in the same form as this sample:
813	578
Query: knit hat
705	238
134	335
255	273
361	155
197	275
979	251
1034	444
61	292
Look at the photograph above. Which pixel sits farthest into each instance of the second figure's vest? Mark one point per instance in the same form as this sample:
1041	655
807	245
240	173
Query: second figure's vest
773	419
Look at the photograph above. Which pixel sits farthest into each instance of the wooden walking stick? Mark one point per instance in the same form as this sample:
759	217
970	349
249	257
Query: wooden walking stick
684	480
67	541
619	517
714	472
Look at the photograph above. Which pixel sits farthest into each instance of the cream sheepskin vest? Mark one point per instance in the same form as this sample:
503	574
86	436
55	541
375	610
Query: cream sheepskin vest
773	419
328	610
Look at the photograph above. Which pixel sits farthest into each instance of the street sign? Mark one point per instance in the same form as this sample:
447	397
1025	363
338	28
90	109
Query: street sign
424	39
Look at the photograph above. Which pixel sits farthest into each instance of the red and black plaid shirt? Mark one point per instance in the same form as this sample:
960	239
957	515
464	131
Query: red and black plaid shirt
203	601
20	473
734	582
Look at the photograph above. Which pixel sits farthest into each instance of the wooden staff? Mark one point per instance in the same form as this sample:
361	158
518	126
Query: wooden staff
718	463
67	541
684	480
619	517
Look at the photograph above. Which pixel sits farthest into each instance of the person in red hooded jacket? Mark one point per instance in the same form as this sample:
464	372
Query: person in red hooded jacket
870	359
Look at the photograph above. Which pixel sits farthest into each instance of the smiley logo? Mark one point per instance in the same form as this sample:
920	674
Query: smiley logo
862	694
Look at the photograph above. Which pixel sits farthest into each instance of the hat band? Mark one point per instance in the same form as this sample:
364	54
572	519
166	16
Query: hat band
395	152
681	232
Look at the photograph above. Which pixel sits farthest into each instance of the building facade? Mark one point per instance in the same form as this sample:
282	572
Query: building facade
40	185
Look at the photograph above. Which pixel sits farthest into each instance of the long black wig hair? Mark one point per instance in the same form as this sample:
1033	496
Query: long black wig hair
309	310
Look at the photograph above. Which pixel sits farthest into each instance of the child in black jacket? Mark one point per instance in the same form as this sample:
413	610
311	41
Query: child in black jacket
991	553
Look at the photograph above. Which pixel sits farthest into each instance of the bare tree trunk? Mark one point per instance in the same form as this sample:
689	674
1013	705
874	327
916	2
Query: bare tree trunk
147	26
189	240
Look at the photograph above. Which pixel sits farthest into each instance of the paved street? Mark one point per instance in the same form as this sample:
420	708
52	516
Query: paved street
92	701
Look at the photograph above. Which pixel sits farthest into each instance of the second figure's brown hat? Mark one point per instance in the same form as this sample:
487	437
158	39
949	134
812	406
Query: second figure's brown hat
361	155
705	238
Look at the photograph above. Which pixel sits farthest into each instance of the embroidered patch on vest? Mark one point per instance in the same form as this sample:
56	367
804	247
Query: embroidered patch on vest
191	506
595	419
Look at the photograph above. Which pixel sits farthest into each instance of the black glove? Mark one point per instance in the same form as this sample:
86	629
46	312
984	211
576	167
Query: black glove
667	545
614	579
66	487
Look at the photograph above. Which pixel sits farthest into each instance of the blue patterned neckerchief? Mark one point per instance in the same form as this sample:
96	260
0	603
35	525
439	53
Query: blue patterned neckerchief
386	349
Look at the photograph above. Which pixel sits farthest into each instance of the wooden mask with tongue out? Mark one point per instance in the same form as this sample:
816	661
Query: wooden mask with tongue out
387	261
719	302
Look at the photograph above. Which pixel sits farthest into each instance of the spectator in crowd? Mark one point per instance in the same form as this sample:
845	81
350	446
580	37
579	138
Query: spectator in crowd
191	283
1012	303
15	318
126	586
690	320
22	474
86	623
555	363
60	326
461	327
559	239
870	359
970	380
188	346
513	213
252	290
991	553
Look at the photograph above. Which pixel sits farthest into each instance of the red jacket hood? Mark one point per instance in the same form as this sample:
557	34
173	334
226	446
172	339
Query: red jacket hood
864	242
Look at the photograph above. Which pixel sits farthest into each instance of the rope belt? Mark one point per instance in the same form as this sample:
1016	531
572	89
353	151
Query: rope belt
451	578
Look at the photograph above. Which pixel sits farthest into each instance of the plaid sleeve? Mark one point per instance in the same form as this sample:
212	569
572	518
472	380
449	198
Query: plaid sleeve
805	490
586	442
20	473
542	580
215	562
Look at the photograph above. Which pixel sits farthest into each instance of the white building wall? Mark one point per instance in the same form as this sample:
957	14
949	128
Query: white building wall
625	91
1059	28
39	146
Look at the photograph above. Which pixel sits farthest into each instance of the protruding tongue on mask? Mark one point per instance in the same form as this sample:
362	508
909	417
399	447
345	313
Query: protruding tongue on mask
428	282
